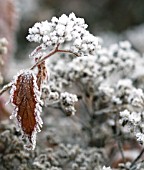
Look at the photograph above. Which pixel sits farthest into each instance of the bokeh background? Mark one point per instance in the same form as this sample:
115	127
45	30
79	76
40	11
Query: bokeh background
113	21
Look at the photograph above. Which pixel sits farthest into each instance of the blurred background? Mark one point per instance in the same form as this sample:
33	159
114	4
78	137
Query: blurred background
112	20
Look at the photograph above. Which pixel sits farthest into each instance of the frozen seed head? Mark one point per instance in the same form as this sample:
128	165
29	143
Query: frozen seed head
67	101
140	137
106	168
64	29
134	122
125	114
136	98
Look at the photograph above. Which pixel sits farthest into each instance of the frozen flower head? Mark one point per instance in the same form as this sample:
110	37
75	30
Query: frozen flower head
64	29
140	137
67	101
124	116
134	123
106	168
137	98
124	84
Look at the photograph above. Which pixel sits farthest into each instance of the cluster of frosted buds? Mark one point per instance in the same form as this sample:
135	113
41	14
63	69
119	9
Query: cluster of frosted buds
136	98
64	29
123	54
134	122
106	168
67	101
119	56
48	96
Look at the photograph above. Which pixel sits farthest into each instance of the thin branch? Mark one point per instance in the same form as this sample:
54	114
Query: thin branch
44	58
137	158
67	51
37	49
119	143
121	151
6	87
56	50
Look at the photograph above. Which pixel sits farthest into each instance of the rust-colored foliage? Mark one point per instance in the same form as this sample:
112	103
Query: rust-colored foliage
25	100
42	74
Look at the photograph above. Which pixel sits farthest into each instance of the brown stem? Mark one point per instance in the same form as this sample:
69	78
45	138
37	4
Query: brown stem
56	50
43	59
38	48
9	85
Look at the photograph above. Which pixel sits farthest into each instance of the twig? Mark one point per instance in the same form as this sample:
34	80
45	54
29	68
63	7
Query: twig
6	87
137	158
44	58
119	141
56	50
121	151
37	49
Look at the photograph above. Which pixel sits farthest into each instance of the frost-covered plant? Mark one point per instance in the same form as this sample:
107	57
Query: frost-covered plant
66	34
25	96
106	168
72	157
134	120
101	78
62	30
104	83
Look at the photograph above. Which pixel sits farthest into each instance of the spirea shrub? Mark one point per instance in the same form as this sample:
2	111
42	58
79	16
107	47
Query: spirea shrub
102	81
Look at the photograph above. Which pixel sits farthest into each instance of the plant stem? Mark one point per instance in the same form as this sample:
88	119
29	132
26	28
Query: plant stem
5	88
137	158
44	58
56	50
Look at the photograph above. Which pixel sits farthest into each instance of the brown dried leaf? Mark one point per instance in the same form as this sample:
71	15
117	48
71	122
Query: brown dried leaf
27	105
42	74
